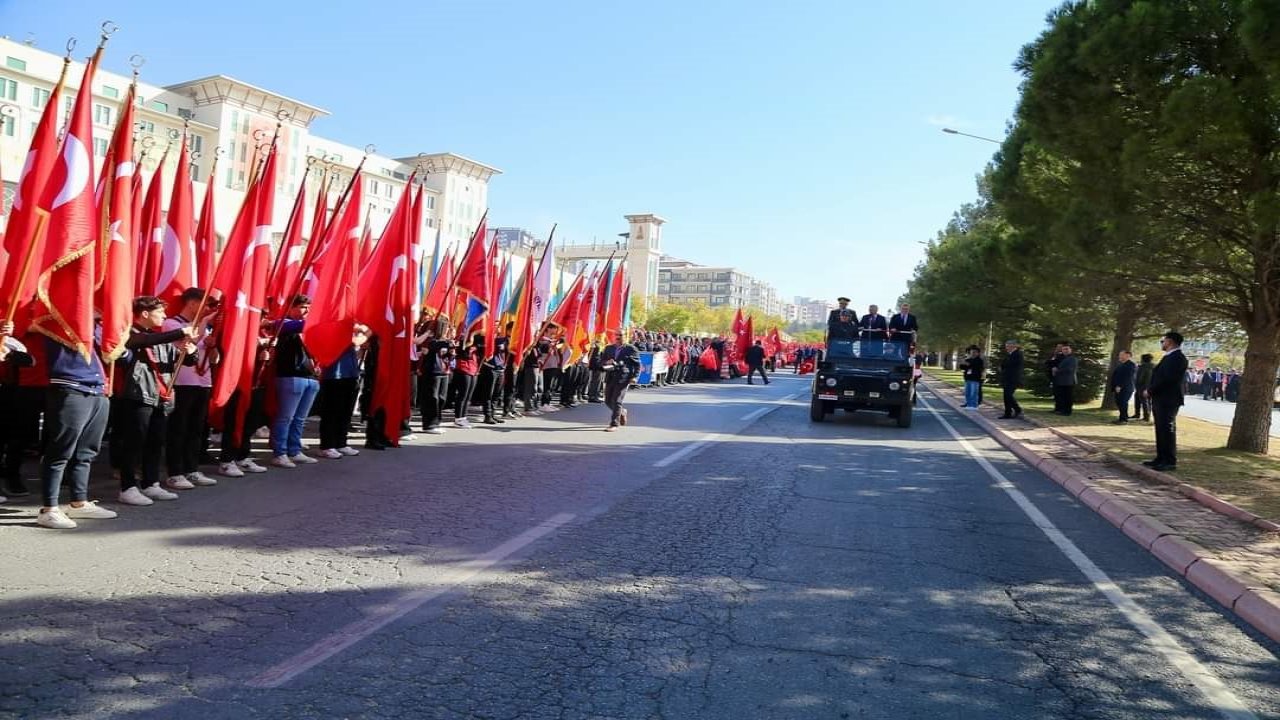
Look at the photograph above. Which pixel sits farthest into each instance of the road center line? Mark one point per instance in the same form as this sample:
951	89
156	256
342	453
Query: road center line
457	575
1209	685
688	449
761	412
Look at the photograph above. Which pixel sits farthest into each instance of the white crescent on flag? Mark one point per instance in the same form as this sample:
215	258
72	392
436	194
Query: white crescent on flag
76	160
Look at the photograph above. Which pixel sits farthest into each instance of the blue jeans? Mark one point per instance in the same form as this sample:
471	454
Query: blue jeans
294	396
972	389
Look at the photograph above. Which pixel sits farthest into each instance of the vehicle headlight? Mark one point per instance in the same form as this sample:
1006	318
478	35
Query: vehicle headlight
832	382
894	386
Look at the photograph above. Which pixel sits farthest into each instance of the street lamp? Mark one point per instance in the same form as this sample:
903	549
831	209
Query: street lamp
950	131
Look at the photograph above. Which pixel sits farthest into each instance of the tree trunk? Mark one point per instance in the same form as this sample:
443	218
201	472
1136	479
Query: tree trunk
1126	322
1251	427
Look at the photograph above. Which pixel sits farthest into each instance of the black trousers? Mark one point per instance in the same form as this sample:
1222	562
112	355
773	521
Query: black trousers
1166	425
337	403
551	378
1122	402
432	393
614	392
188	428
1011	406
530	388
255	418
74	425
19	427
509	391
1141	405
488	391
1063	398
465	386
752	370
138	433
596	385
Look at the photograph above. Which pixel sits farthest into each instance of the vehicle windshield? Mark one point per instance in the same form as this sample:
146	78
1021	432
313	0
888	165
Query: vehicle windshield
867	349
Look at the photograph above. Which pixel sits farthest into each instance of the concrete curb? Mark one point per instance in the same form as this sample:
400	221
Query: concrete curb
1193	492
1253	603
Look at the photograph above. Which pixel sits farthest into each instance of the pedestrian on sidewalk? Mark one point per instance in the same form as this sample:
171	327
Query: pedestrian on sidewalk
1123	380
1142	403
1166	400
974	367
1064	381
1011	378
621	362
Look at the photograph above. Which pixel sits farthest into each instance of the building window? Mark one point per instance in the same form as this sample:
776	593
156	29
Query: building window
244	148
146	126
431	202
101	114
8	89
100	147
389	189
108	91
373	186
16	64
197	144
161	106
10	127
230	176
39	97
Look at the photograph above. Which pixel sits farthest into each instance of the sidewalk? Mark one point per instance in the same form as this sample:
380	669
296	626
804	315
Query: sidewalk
1235	561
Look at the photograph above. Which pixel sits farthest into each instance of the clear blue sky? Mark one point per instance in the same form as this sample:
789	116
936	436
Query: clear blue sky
798	141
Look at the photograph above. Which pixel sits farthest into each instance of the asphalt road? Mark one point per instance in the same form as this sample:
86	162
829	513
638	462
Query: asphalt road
721	557
1220	412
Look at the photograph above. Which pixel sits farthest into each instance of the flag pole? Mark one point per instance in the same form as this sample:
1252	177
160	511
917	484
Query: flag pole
453	281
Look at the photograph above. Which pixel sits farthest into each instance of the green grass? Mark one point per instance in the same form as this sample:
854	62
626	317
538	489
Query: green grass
1245	479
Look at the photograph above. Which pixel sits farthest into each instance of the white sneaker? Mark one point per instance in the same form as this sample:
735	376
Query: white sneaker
215	439
134	496
155	492
91	511
55	519
406	436
330	454
230	469
178	482
301	459
349	451
282	461
434	431
462	423
3	499
250	466
201	479
262	433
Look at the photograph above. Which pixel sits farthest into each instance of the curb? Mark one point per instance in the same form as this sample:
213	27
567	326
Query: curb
1248	599
1193	492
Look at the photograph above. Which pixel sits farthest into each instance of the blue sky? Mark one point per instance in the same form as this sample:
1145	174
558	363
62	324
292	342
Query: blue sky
798	141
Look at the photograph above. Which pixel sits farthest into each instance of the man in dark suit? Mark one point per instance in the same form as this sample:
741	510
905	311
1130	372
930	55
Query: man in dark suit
1011	378
1166	399
755	363
1064	381
873	324
903	326
1123	378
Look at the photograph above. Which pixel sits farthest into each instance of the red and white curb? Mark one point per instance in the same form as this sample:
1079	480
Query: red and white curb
1253	602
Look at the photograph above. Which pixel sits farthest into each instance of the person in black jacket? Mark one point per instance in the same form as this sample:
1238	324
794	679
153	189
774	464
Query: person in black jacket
1011	378
436	353
874	326
1166	399
141	404
755	363
621	363
1123	378
903	325
974	368
1142	403
297	384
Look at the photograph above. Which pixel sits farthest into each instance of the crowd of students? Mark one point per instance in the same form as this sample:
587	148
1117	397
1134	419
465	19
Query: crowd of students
150	406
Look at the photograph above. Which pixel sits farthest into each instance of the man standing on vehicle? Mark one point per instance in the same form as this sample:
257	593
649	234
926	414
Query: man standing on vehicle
873	324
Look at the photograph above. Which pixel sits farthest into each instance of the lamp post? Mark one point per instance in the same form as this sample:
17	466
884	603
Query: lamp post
952	131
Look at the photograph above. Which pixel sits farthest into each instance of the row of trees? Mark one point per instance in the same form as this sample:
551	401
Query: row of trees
1138	190
698	318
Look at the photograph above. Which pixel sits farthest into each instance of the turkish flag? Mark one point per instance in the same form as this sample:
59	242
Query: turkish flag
617	303
566	314
385	304
242	279
116	246
207	237
64	292
151	237
744	339
16	290
178	247
331	322
288	265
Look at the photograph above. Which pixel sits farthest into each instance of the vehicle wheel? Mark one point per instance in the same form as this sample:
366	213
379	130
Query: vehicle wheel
893	411
817	410
904	415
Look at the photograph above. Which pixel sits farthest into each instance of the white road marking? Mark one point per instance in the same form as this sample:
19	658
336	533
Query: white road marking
456	576
768	408
688	449
1213	689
